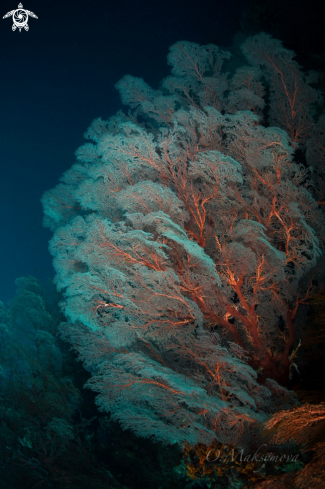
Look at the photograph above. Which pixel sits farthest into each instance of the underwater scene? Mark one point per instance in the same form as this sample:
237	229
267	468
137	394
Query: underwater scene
162	205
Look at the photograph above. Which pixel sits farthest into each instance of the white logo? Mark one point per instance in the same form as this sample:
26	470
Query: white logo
20	18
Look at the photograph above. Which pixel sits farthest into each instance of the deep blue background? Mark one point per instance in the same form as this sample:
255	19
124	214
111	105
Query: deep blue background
58	77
